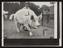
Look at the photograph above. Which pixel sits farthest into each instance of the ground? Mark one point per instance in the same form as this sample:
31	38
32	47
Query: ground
45	31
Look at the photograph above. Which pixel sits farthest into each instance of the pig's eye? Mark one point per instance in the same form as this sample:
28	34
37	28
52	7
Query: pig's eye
32	18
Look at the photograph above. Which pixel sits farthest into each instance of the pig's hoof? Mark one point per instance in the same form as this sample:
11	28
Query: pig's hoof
30	33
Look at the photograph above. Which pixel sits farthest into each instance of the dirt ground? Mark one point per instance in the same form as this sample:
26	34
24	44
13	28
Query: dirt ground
44	31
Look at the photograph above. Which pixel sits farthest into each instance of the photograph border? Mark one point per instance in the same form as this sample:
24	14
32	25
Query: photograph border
55	42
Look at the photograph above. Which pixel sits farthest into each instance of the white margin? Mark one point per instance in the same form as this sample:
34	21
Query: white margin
60	14
55	20
2	27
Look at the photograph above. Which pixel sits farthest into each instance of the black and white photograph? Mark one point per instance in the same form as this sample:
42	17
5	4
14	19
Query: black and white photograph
29	20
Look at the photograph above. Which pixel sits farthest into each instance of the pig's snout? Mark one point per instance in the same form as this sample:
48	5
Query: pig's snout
38	25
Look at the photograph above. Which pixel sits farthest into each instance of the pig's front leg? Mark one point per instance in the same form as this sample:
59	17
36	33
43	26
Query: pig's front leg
28	28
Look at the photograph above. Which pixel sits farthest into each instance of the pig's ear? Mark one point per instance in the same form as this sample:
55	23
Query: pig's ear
32	18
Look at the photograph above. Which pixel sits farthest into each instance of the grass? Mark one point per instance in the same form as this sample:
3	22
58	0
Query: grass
45	31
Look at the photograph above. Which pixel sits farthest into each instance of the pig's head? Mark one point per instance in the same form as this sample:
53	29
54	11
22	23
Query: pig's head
35	21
